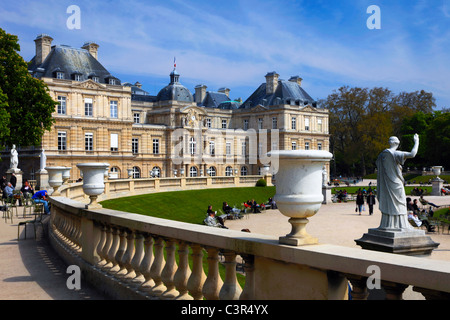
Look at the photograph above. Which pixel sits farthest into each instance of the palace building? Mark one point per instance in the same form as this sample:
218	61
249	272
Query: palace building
171	133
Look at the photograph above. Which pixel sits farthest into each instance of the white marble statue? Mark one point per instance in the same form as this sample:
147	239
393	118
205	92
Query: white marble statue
390	189
43	161
14	161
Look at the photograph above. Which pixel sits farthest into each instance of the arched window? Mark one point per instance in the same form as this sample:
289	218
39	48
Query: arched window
136	173
114	173
244	171
193	172
211	172
229	171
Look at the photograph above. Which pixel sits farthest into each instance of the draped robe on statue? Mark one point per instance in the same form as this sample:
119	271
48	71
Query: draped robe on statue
391	191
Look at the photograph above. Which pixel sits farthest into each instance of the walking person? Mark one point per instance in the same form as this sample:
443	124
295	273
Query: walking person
359	201
371	202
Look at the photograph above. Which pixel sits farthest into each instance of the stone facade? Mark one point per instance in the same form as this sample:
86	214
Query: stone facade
101	119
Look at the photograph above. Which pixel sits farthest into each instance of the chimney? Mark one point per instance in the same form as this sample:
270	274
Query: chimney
200	93
225	90
138	84
43	47
271	82
296	79
92	48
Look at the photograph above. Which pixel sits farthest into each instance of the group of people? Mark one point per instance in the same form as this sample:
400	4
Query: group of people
8	189
213	220
362	198
417	192
414	213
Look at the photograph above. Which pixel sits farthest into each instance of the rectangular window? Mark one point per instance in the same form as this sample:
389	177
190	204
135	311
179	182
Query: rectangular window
89	141
307	124
274	123
246	124
62	141
60	75
155	146
294	145
306	145
62	105
212	148
244	148
319	146
260	123
224	124
319	125
208	123
88	109
294	123
135	145
113	107
78	77
114	142
137	117
228	148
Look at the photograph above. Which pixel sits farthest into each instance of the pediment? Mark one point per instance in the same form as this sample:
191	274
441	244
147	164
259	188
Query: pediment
194	110
259	107
90	84
309	108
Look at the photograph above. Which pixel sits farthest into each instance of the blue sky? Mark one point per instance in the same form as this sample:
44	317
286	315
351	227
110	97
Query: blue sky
235	43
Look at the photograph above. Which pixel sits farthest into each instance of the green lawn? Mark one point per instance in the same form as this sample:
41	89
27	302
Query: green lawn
188	206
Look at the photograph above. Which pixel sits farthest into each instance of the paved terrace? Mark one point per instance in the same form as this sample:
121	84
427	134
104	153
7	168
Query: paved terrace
30	270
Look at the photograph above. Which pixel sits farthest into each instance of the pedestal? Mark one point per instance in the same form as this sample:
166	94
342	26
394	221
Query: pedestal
18	173
42	180
437	184
326	191
407	242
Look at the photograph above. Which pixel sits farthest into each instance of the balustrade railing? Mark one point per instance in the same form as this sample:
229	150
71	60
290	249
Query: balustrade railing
152	258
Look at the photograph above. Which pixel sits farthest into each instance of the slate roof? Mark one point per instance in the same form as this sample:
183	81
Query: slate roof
71	61
287	92
175	90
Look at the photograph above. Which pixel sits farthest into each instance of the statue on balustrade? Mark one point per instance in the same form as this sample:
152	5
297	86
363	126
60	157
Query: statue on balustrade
390	190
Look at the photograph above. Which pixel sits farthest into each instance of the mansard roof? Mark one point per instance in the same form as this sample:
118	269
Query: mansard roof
287	92
71	61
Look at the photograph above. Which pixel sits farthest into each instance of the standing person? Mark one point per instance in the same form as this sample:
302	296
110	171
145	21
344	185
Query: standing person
359	201
13	180
371	202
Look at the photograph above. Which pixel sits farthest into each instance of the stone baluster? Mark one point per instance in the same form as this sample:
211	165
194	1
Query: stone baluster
109	241
147	264
394	291
113	250
248	292
128	257
100	245
231	289
157	267
183	272
198	277
359	287
213	283
169	270
120	252
137	260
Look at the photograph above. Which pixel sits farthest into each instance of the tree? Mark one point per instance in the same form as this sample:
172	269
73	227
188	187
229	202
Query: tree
25	105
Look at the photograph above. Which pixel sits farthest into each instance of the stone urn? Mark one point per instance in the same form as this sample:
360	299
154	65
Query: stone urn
66	174
55	178
299	190
436	170
93	181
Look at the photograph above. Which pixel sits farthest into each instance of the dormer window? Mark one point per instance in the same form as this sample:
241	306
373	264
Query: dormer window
77	77
59	75
95	79
112	82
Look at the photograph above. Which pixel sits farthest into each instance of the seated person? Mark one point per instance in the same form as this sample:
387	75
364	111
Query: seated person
27	190
272	203
418	222
41	197
426	203
255	206
226	208
8	191
213	221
